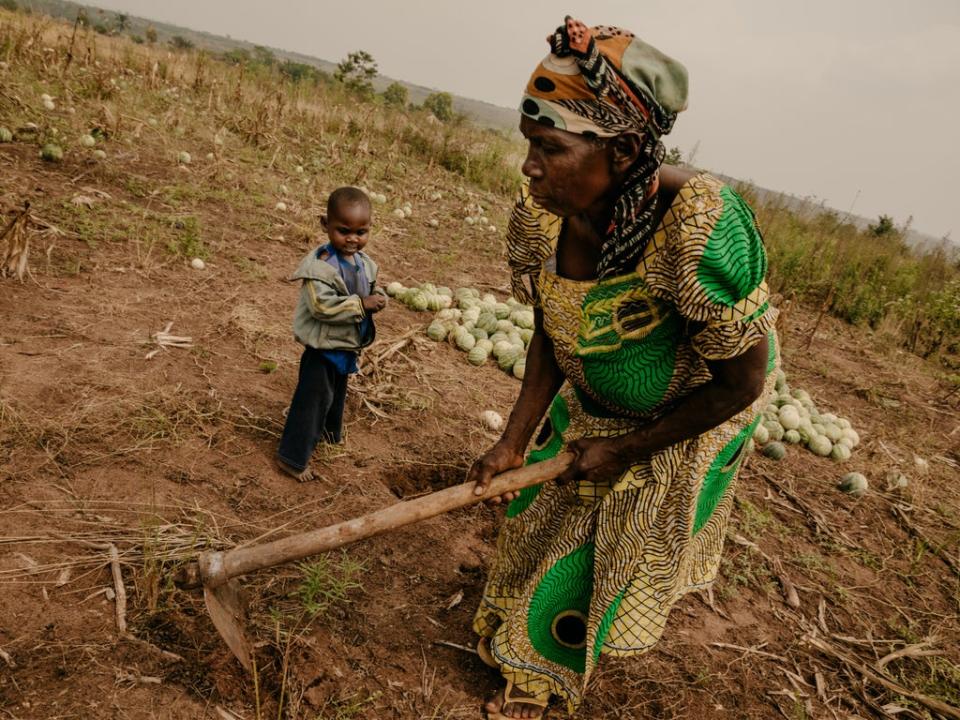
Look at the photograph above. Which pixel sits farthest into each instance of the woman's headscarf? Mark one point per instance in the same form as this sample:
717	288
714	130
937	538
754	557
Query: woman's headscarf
600	82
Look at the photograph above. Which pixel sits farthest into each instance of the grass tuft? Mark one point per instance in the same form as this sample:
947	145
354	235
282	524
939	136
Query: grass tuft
326	583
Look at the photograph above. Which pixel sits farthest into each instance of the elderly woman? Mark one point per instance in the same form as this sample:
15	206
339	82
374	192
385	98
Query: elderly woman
654	345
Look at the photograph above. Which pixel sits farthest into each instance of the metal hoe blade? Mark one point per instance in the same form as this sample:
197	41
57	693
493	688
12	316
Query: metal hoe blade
226	610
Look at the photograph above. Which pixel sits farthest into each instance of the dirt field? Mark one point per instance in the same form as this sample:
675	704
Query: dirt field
162	457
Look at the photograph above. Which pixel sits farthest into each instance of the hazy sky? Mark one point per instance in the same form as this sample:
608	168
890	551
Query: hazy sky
855	102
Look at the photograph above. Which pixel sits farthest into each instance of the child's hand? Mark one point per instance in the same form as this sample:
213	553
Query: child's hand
373	303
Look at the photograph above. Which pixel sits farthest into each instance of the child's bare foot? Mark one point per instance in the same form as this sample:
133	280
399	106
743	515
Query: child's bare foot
305	475
496	706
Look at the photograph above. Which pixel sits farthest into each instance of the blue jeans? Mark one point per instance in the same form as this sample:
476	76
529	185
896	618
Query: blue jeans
316	411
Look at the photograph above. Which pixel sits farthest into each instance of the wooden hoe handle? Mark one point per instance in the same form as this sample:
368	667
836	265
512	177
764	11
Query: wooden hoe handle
217	567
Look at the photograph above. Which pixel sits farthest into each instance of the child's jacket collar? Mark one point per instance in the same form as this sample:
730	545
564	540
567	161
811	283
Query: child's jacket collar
313	268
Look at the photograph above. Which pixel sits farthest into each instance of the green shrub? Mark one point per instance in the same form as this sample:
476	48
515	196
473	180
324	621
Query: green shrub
864	276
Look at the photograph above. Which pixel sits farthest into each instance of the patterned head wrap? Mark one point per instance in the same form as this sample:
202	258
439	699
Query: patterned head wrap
601	82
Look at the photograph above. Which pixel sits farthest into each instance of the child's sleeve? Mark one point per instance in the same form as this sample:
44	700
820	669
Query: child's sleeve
329	307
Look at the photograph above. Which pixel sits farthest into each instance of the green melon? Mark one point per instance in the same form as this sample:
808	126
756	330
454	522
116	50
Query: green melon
840	453
522	318
854	483
507	359
437	331
833	432
519	368
774	450
852	435
477	355
789	417
488	321
775	429
418	301
820	445
51	152
761	434
466	341
501	346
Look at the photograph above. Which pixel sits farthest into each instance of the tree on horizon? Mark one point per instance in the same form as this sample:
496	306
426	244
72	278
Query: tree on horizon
356	72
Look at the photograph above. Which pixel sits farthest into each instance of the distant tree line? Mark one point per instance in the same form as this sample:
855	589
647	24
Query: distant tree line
355	73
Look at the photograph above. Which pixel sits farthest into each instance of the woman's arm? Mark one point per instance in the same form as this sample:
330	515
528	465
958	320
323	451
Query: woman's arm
541	381
735	385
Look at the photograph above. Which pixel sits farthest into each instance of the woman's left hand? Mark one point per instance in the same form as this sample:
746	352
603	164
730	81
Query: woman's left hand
597	459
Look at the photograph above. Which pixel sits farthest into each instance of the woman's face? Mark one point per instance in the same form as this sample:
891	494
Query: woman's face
569	174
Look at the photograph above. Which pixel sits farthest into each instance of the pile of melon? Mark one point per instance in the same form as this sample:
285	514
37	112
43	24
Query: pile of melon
480	325
791	418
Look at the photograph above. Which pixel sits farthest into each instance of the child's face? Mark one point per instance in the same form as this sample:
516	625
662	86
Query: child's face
348	227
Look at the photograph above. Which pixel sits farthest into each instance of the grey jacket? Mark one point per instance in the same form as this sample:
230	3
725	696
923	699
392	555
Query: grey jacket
327	317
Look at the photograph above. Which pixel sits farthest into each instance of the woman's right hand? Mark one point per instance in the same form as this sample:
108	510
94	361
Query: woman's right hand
501	457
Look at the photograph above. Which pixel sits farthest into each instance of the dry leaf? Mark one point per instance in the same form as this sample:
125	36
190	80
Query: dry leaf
29	564
83	200
455	599
893	709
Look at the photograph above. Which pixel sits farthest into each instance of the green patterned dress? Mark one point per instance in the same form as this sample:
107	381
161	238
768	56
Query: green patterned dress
594	568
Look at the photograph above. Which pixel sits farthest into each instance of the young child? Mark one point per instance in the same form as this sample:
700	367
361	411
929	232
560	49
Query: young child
333	321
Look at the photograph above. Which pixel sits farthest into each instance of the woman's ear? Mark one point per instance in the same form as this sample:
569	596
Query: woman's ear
625	149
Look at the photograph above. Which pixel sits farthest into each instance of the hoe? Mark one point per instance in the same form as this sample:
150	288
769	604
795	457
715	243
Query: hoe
216	571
